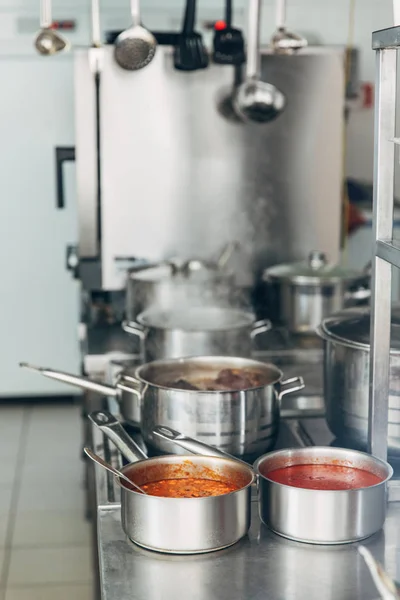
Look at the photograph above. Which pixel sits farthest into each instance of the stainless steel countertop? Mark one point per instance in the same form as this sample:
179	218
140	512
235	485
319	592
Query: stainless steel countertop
262	565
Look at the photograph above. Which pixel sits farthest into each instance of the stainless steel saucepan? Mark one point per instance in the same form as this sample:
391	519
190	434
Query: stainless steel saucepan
181	525
244	422
308	515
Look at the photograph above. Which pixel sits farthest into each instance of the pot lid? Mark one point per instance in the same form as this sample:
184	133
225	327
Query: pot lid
197	319
179	271
352	327
314	270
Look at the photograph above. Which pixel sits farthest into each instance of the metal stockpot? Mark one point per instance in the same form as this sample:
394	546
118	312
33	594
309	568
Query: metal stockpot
242	422
180	525
181	283
306	292
322	516
206	331
346	375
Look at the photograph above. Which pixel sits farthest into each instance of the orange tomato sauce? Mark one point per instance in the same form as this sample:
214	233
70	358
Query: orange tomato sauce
324	477
190	487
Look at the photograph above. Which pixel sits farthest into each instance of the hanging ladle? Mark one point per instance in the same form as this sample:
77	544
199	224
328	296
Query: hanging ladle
97	459
256	100
284	41
48	41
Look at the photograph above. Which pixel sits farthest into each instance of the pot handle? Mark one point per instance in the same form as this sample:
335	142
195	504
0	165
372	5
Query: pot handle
113	429
360	294
190	444
76	380
121	385
294	388
135	329
260	327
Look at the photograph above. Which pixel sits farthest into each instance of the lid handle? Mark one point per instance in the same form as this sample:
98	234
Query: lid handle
317	259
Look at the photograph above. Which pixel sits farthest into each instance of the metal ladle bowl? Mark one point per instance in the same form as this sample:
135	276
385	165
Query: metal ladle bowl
259	101
49	42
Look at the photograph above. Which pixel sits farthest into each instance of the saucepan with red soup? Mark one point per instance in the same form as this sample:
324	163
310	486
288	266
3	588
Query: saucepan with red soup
319	495
192	504
322	495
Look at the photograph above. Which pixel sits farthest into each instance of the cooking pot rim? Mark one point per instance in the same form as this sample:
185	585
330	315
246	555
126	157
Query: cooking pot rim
340	451
193	458
330	337
202	359
246	319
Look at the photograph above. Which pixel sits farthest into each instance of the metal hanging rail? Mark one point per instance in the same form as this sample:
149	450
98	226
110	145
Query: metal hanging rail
386	252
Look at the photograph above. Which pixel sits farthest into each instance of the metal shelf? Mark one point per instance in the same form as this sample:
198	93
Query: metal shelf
386	251
389	251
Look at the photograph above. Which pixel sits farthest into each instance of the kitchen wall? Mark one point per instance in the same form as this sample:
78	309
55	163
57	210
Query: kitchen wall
323	21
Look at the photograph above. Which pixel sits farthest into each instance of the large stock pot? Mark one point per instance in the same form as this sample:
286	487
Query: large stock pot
243	422
346	338
198	331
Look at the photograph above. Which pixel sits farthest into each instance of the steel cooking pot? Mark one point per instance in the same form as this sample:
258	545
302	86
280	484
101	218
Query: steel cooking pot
182	283
304	293
346	375
199	331
180	525
244	422
308	515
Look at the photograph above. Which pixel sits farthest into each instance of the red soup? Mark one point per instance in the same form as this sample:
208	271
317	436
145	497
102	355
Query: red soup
324	477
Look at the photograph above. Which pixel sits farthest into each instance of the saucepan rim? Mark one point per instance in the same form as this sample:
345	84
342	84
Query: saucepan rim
386	466
192	458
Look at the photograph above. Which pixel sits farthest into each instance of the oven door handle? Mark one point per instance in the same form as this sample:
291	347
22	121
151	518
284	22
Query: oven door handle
63	154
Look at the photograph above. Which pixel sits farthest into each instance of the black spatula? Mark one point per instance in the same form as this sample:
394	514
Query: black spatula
190	53
228	41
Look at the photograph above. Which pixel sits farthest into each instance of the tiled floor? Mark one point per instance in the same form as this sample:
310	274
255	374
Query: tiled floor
45	541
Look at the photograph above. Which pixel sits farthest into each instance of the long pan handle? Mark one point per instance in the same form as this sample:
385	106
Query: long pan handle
75	380
190	444
113	429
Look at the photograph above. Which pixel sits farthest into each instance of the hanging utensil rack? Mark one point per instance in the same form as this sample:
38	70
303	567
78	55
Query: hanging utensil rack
386	252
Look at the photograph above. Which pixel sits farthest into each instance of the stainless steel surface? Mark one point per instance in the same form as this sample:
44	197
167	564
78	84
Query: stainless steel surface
187	525
256	100
48	41
96	51
182	525
113	429
102	463
125	390
385	123
284	40
384	584
239	422
248	164
322	516
306	292
208	331
389	252
347	379
135	47
386	38
261	565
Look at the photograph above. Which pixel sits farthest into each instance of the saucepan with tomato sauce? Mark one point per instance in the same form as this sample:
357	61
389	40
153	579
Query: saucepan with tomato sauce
192	504
322	495
319	495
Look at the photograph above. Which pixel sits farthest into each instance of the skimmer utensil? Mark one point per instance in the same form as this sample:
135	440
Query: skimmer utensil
256	100
135	47
48	41
97	459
